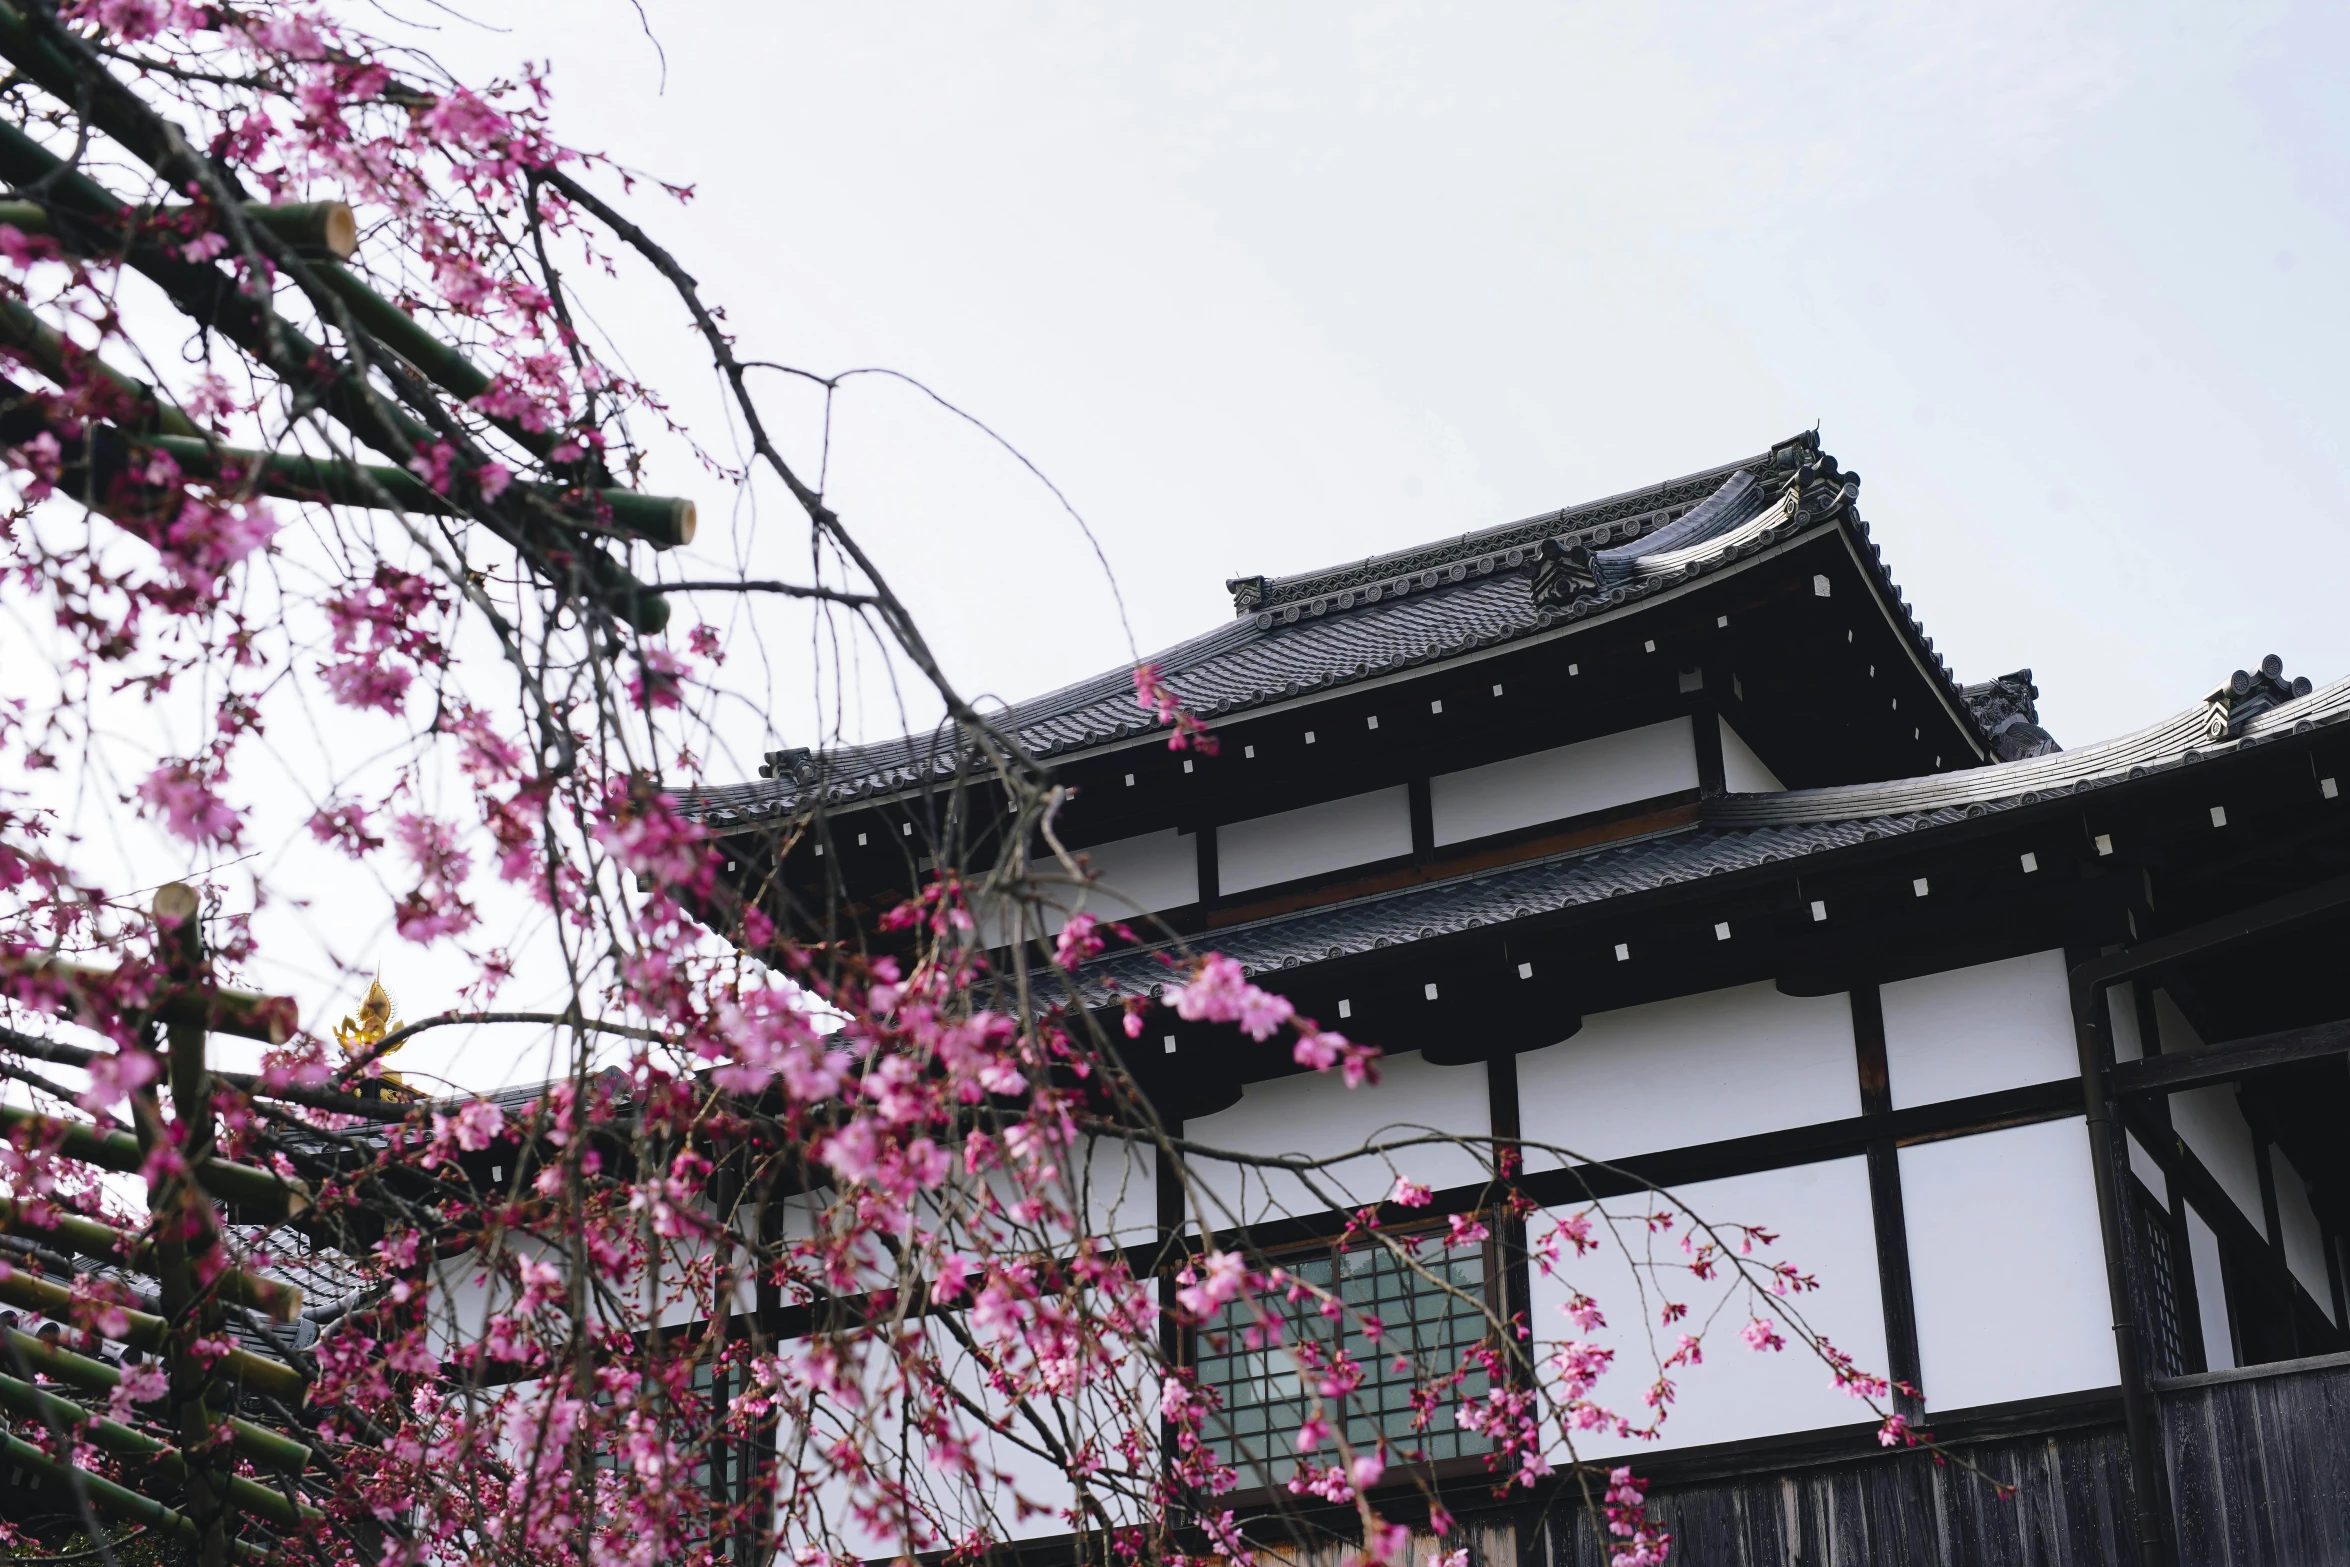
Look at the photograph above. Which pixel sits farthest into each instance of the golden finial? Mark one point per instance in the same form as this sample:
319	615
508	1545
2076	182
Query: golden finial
361	1034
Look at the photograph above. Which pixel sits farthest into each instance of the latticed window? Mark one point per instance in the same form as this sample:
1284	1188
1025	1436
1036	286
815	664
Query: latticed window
2165	1342
1426	1323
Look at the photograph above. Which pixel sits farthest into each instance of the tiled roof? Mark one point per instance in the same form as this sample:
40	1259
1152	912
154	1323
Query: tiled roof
1420	607
1734	833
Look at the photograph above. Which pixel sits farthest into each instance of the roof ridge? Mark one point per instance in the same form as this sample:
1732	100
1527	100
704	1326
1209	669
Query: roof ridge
1272	592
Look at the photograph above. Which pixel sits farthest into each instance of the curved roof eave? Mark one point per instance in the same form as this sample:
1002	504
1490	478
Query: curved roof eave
1734	833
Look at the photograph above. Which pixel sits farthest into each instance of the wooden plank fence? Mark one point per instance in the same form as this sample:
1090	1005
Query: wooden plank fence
2258	1469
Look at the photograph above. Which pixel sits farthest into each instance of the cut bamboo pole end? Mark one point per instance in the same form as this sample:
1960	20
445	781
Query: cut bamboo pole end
324	229
175	903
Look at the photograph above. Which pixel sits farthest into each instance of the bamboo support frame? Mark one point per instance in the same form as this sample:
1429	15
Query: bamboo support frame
208	294
445	366
147	1332
324	229
69	1369
32	1403
269	1195
119	1500
659	520
88	1238
82	990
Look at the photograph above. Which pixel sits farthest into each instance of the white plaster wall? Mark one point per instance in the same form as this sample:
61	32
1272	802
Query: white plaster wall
460	1296
1696	1069
1590	775
2006	1264
1822	1217
2305	1238
2211	1124
1743	772
1976	1030
1312	839
1316	1115
2211	1293
2149	1173
1114	1191
1009	1473
464	1291
1142	875
1158	870
2171	1028
2121	1003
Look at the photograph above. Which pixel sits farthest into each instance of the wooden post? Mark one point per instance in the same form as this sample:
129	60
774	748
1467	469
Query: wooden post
187	1233
2148	1496
1887	1212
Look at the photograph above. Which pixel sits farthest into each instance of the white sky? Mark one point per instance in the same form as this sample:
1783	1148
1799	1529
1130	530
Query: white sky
1265	288
1268	288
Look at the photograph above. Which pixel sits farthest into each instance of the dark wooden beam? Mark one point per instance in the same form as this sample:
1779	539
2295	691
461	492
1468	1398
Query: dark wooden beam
1887	1211
2224	1063
2196	940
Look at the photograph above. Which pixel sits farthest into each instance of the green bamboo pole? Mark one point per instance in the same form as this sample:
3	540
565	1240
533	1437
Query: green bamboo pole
119	1500
324	229
270	1019
258	1443
281	1302
207	294
49	351
272	1197
244	1082
187	1240
146	1332
51	1411
661	521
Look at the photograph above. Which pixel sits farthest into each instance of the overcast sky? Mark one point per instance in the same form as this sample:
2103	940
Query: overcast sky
1269	287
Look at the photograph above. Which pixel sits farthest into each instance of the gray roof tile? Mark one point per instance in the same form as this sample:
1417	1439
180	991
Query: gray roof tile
1390	613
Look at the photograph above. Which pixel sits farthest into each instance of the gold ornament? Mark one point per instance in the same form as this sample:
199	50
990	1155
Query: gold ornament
361	1034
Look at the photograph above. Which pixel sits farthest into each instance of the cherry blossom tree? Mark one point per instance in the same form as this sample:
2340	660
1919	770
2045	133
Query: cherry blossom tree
326	478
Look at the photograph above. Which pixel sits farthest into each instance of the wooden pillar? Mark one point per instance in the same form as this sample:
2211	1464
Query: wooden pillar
1705	730
1167	1193
1890	1218
186	1235
1515	1297
2149	1505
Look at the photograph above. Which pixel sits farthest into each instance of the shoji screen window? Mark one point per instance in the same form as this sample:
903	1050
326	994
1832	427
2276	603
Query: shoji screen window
1428	1314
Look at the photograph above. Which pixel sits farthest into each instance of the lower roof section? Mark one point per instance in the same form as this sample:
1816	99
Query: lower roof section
1735	832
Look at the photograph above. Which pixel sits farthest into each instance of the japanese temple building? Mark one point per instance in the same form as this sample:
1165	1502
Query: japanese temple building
1655	829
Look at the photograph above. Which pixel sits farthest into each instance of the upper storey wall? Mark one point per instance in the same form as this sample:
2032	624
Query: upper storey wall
1656	765
1569	780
